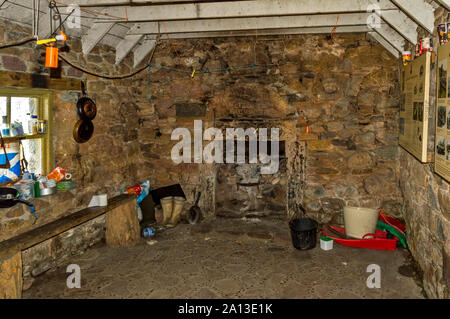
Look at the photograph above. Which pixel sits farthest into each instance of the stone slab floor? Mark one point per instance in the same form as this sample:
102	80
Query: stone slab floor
226	258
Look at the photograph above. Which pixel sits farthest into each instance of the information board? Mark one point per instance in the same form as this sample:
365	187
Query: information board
414	106
442	142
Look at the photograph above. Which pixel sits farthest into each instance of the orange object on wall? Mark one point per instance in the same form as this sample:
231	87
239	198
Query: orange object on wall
51	57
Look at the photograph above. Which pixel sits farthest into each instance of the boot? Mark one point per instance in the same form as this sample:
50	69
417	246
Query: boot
178	204
167	206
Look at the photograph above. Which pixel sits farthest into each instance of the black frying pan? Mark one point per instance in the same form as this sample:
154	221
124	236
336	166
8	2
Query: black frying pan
195	212
83	131
86	107
87	110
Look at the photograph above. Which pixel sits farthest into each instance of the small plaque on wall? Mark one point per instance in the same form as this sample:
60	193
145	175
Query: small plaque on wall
414	106
442	144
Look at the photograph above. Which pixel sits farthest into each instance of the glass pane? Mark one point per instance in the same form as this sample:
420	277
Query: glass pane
21	109
32	152
3	106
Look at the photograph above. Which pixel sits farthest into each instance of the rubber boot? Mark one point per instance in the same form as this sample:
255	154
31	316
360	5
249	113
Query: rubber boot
178	204
167	206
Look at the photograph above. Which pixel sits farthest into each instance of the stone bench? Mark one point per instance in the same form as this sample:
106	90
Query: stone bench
122	230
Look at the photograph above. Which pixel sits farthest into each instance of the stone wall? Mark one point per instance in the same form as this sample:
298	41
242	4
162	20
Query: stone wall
107	163
346	88
427	204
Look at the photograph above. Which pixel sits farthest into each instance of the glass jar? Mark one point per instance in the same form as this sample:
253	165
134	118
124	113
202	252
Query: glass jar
42	127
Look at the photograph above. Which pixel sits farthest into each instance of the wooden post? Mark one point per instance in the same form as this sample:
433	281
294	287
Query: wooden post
11	276
122	225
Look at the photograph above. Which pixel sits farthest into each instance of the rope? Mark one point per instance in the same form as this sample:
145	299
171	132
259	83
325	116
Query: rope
249	66
205	71
170	41
33	212
149	97
334	28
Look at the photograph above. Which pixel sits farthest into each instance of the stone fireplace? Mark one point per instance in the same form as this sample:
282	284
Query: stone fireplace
242	190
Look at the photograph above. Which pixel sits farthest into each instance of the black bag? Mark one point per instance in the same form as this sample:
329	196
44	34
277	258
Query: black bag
8	197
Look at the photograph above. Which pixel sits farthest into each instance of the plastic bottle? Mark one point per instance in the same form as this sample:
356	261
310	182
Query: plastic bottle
26	176
26	190
42	180
148	232
37	191
5	126
33	124
28	128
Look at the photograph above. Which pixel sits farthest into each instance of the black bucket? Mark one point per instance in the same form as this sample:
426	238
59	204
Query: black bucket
303	233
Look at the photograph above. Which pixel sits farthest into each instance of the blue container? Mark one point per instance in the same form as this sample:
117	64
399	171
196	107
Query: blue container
148	232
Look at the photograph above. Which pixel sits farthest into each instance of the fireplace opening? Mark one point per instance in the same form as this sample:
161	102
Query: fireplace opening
242	191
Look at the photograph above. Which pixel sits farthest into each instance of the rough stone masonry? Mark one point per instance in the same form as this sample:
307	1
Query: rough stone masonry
345	88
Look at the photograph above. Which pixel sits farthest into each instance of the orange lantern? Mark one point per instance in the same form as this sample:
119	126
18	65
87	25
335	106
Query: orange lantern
51	52
51	56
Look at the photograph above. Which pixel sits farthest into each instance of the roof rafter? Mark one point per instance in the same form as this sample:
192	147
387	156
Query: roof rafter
420	11
250	8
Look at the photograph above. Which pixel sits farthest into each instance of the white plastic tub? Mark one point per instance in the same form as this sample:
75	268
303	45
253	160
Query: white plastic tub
326	243
360	221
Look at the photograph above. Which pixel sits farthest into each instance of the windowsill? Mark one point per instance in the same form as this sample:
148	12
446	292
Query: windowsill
10	139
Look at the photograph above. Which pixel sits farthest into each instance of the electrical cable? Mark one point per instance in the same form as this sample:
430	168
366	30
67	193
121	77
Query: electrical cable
104	76
111	77
61	23
18	42
52	5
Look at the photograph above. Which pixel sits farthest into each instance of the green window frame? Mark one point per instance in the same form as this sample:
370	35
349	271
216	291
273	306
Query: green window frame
44	105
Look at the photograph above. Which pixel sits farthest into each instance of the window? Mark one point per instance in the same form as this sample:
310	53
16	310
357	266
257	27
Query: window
22	140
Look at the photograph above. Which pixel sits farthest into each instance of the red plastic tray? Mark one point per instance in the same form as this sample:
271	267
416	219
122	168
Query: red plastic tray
392	221
379	242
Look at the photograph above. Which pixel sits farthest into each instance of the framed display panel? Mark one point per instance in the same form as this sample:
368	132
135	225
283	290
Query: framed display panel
442	143
414	107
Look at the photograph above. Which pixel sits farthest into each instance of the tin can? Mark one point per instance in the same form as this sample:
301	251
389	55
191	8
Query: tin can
447	30
406	57
442	30
42	126
427	45
419	49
